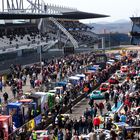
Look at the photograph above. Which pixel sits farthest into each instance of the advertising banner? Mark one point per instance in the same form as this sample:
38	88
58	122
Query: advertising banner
38	119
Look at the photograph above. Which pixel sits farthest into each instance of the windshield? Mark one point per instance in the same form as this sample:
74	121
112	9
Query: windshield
95	92
104	86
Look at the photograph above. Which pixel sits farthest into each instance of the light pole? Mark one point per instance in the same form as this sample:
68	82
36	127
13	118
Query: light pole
103	44
109	41
41	69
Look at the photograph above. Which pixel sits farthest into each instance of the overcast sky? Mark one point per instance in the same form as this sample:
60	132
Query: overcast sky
117	9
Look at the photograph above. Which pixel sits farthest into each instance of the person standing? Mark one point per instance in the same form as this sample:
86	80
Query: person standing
92	135
68	135
76	126
116	101
113	135
106	96
89	124
123	118
95	111
116	117
70	106
124	133
14	90
2	135
125	109
5	96
34	135
101	107
109	124
96	122
108	106
1	86
102	136
112	94
60	134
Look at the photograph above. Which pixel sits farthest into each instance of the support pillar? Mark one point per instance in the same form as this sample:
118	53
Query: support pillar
19	53
39	49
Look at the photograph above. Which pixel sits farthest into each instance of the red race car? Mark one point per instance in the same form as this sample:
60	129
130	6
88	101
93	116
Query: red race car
124	68
104	87
112	80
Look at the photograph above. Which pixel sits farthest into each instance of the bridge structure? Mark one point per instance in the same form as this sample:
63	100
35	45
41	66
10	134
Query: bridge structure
32	6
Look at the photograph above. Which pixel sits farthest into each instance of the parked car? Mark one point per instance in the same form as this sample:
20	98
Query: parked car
124	68
96	95
113	80
104	87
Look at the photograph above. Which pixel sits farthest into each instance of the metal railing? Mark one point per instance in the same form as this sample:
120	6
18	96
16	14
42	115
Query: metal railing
70	37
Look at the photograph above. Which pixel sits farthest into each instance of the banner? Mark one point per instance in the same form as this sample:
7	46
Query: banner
31	125
38	119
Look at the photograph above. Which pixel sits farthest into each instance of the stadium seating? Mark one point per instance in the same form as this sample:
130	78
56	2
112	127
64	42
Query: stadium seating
26	34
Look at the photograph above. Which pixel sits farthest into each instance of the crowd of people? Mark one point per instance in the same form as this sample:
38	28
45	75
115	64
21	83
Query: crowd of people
74	25
78	30
21	35
60	69
91	119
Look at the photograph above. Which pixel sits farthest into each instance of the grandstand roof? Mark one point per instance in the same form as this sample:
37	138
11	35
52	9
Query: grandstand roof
82	15
66	15
135	19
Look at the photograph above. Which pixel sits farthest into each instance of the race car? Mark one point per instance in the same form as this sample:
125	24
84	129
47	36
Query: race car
96	95
113	80
87	137
119	126
110	62
137	109
124	68
104	87
41	134
119	73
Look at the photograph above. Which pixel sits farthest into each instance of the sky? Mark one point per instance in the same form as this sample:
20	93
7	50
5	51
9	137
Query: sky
117	9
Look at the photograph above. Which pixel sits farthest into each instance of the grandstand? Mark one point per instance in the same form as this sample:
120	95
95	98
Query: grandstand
15	36
41	28
135	33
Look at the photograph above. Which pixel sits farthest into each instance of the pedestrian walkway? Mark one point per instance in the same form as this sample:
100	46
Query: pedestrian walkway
26	88
115	109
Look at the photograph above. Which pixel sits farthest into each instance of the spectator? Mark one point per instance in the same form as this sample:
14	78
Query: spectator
34	135
113	135
95	111
102	136
116	100
96	122
125	109
108	106
108	124
106	96
116	117
89	124
87	113
92	136
60	134
1	86
68	135
5	96
76	126
124	133
101	107
123	118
